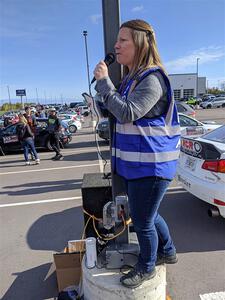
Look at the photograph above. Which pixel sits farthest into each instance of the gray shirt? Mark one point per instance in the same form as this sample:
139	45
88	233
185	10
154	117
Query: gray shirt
149	98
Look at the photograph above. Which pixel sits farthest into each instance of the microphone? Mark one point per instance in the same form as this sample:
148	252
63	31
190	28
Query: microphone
109	59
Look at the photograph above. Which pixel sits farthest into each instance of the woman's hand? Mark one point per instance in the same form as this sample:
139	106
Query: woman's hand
101	70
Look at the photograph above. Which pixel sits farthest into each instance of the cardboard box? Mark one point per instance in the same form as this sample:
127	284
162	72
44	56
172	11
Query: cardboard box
68	267
76	245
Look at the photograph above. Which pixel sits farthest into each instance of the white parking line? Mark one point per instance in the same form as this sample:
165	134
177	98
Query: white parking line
40	201
60	199
213	296
49	169
65	152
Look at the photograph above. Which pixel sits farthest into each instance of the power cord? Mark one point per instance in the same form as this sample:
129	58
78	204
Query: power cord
97	122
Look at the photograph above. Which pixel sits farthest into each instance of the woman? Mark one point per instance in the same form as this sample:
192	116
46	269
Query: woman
26	137
145	146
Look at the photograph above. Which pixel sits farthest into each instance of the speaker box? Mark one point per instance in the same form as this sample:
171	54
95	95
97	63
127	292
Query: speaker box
96	192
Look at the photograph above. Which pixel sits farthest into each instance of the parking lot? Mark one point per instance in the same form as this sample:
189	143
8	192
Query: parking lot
41	209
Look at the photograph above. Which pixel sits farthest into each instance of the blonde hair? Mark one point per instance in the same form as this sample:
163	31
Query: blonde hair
146	51
22	119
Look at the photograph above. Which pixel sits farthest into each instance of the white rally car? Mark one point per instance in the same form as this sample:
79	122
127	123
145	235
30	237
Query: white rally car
201	168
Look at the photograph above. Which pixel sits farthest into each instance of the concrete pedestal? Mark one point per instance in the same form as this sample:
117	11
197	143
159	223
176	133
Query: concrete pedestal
103	284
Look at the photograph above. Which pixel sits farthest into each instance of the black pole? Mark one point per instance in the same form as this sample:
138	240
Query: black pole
111	24
86	49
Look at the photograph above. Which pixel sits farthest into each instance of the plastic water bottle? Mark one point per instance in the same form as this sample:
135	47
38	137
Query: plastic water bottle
91	253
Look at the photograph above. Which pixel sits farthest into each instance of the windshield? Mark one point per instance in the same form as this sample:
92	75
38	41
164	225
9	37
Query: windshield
217	135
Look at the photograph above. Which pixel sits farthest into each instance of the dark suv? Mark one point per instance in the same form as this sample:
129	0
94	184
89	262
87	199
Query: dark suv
9	140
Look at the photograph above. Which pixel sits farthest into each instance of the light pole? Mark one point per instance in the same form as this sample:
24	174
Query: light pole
86	49
9	96
37	96
197	78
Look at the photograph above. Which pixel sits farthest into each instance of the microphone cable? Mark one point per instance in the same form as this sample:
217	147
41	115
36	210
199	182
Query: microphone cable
95	133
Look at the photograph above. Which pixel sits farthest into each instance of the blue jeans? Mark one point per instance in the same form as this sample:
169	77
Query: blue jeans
27	144
144	196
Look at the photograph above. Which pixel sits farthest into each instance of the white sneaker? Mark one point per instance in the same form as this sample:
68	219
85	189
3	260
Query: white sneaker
37	161
27	163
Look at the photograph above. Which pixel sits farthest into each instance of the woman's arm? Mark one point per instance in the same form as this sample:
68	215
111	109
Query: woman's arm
141	100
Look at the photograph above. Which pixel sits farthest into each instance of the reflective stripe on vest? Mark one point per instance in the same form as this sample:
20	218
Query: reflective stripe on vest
145	157
148	146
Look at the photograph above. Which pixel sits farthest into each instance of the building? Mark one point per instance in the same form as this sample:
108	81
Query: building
186	85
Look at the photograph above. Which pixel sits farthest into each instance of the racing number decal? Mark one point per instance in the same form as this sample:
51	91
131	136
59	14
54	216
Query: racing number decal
10	139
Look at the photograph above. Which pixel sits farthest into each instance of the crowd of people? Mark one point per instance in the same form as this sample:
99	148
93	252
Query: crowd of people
26	131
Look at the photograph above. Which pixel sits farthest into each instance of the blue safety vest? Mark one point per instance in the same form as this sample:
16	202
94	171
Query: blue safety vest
147	146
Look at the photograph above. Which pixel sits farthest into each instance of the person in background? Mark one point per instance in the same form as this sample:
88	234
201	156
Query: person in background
26	137
15	119
31	119
145	143
54	126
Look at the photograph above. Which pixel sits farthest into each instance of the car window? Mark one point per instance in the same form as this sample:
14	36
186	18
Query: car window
217	135
185	121
10	130
180	108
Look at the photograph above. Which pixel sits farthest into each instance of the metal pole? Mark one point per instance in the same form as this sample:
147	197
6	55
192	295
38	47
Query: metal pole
45	97
21	99
197	78
37	95
9	96
86	49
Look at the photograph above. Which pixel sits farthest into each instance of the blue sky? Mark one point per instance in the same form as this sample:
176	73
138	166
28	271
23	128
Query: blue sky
42	46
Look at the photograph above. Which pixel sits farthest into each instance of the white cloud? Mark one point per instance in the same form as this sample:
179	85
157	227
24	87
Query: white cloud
96	18
137	8
205	55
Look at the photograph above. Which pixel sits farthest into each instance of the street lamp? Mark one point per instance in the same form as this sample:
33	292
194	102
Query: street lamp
197	78
86	48
9	96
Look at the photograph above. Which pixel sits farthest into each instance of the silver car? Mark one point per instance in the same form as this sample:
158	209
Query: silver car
213	103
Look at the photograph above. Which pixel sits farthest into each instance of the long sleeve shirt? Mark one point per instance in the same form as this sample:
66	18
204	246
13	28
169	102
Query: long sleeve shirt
148	98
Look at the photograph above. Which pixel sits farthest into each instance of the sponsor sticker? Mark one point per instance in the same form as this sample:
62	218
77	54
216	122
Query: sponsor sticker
191	147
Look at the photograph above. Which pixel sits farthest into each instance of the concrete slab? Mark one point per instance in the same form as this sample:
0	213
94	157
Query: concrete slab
102	284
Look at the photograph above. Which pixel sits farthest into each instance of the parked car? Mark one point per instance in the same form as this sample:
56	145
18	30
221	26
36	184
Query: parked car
9	140
201	169
214	102
102	129
84	110
1	122
194	101
75	104
207	96
184	108
189	127
72	121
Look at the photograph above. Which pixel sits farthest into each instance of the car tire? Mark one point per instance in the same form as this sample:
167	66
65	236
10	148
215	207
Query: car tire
209	106
49	146
223	105
72	128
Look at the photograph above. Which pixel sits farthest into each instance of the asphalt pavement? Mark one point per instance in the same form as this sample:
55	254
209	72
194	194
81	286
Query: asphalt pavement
41	209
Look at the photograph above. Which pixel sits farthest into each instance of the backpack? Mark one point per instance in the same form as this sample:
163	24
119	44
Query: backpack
21	129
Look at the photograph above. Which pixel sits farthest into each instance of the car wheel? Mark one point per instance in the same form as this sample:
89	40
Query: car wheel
49	146
223	105
72	128
209	106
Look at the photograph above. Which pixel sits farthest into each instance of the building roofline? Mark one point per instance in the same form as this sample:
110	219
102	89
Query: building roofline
182	74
